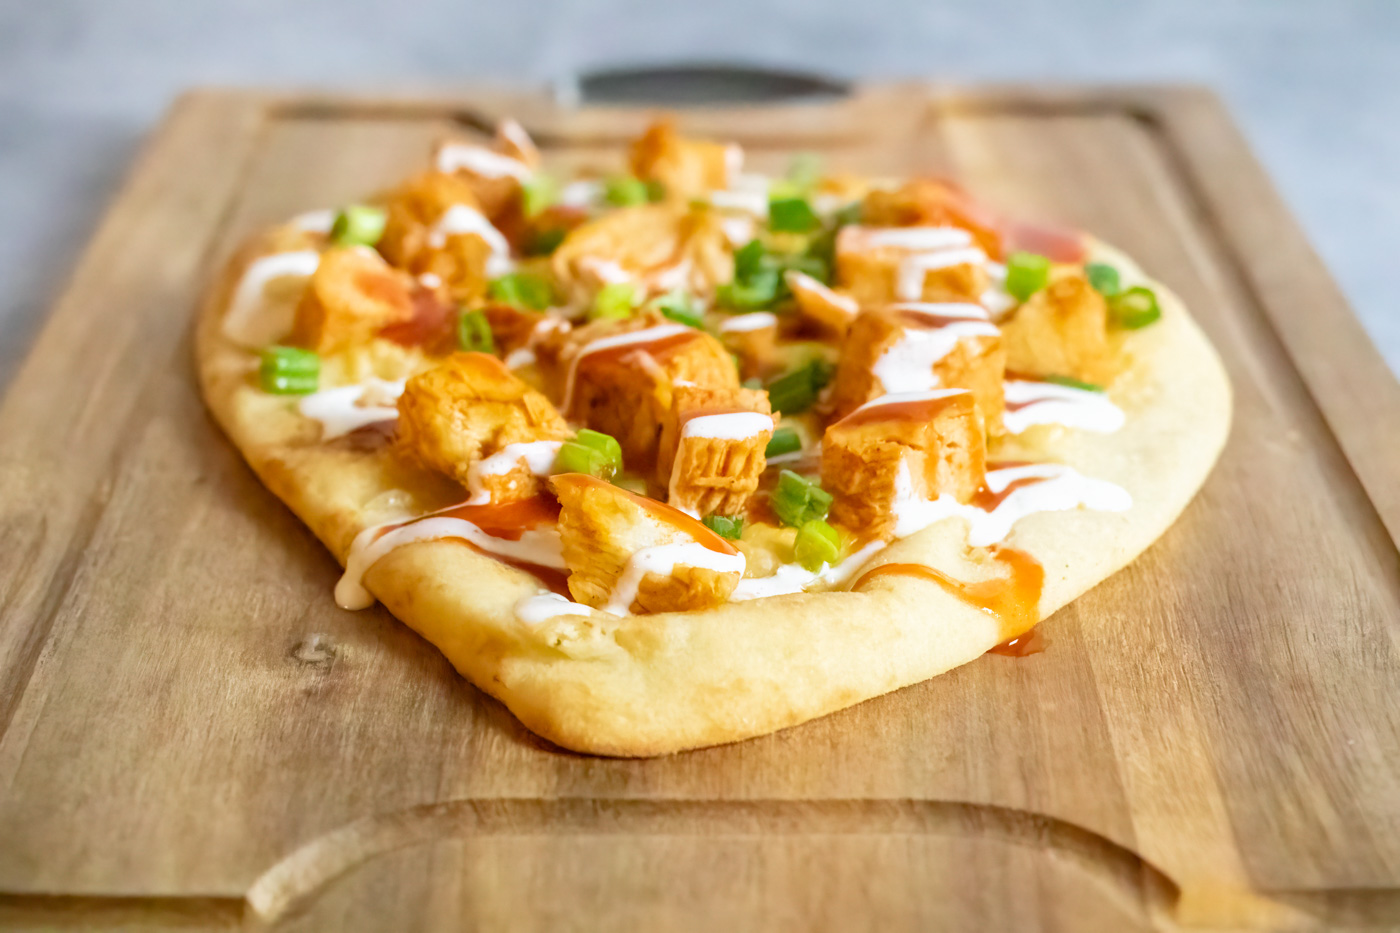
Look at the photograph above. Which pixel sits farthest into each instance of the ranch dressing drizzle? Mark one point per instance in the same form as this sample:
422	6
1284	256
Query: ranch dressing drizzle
801	281
314	221
245	323
996	298
537	457
461	219
729	426
1030	403
534	545
639	337
742	323
663	559
480	161
347	408
907	366
746	192
539	609
909	282
582	193
1011	494
919	239
794	578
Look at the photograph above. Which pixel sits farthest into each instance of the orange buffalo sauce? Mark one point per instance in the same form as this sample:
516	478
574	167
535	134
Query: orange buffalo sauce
1013	599
659	510
507	520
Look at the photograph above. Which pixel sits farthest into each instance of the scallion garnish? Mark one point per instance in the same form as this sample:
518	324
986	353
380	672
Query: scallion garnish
1104	278
358	225
726	526
678	306
797	500
791	215
804	170
474	332
1071	383
289	371
522	290
614	300
625	191
797	391
1134	308
817	543
1026	274
538	192
785	440
590	452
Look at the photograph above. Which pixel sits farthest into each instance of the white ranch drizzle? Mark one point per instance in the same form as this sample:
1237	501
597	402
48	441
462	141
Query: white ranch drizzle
663	559
648	335
539	609
584	192
536	546
244	324
743	323
461	219
920	239
896	398
738	230
909	281
996	298
345	408
512	132
480	161
520	356
730	426
801	280
1061	489
794	578
537	456
430	280
1049	403
907	366
314	221
746	192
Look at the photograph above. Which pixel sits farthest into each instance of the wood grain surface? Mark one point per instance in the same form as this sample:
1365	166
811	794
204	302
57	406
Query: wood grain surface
192	735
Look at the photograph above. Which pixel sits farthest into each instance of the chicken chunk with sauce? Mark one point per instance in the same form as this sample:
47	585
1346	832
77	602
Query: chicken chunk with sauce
628	552
712	448
913	348
1062	330
352	296
687	168
877	265
434	226
929	202
898	451
469	407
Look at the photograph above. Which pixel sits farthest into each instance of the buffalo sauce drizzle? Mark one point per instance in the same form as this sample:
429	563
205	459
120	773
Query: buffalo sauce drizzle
430	325
1013	599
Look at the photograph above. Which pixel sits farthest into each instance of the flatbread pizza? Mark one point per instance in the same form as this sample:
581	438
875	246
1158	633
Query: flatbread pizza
684	454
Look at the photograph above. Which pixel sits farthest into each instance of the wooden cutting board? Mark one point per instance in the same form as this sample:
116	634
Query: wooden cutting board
194	735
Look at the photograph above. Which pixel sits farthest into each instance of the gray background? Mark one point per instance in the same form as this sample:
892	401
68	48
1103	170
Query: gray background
1316	86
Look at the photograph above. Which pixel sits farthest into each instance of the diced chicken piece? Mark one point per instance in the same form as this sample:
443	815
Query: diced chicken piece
425	233
899	451
877	265
831	310
712	448
915	348
687	168
753	338
496	173
626	552
656	247
353	295
1062	331
468	407
513	141
928	202
619	377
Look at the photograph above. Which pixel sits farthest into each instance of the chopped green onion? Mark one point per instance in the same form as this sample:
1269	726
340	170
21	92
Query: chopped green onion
753	382
1072	383
358	225
757	291
797	391
784	441
805	170
546	241
791	215
538	192
522	290
1104	278
289	371
817	544
1026	274
590	452
798	500
474	332
614	300
850	214
748	260
656	191
677	306
726	526
625	191
1137	307
810	264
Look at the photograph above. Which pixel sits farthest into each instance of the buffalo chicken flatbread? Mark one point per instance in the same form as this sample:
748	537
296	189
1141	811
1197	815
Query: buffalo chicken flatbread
684	455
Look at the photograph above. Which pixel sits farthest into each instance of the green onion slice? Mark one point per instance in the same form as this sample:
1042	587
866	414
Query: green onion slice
1104	278
289	371
1137	307
1026	274
678	306
538	192
785	440
625	191
358	225
474	332
757	291
797	500
614	300
522	290
726	526
805	170
817	543
797	391
748	260
590	452
791	215
545	242
1072	383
